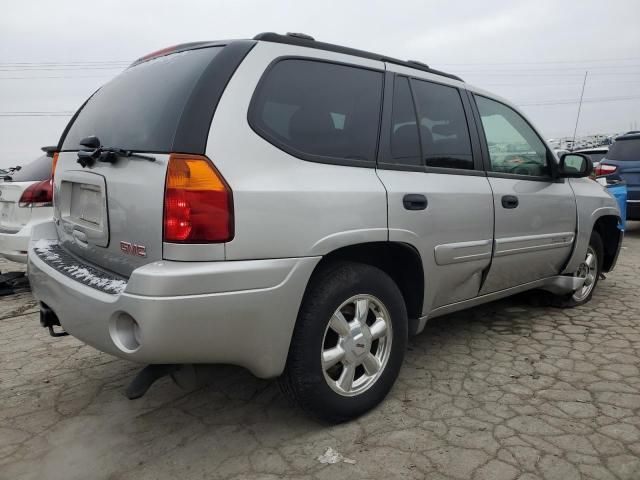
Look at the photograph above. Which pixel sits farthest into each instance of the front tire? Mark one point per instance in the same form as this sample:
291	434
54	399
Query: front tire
590	270
348	344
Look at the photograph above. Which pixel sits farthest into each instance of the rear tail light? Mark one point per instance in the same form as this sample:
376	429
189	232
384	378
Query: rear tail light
38	195
198	203
602	170
54	164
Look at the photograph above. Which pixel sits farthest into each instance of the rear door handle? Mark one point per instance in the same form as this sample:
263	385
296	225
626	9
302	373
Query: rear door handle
414	201
510	201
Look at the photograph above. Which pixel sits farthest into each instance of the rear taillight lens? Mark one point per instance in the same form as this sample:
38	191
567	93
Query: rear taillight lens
38	195
602	170
198	203
54	164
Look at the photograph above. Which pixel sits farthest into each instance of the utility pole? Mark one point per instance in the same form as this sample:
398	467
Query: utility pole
579	108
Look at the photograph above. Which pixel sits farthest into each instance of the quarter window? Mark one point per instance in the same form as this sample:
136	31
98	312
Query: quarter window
443	126
319	110
514	147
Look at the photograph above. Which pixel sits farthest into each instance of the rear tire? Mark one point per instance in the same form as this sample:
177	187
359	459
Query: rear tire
348	344
591	269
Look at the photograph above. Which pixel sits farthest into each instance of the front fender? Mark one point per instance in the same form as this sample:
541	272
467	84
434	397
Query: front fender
593	202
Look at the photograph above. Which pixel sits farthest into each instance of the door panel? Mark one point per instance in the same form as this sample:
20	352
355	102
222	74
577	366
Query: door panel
535	213
453	234
430	153
534	239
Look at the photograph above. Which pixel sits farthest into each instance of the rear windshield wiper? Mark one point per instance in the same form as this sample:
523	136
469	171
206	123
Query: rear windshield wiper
95	151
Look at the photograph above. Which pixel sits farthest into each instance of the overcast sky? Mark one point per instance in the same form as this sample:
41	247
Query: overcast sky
534	52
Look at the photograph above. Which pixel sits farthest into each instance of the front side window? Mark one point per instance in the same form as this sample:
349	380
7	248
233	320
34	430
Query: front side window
443	126
316	110
514	147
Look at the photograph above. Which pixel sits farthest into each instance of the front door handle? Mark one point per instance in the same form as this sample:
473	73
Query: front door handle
414	201
510	201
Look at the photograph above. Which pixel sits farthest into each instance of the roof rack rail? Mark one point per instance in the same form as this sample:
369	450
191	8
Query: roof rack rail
416	62
303	40
300	35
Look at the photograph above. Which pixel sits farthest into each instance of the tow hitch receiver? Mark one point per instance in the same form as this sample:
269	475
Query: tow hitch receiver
49	319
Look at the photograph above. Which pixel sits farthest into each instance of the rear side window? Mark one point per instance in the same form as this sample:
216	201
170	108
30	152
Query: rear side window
36	171
405	141
443	126
628	149
140	109
319	111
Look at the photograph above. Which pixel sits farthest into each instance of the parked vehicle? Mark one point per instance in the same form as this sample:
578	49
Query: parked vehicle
299	208
26	196
622	163
595	154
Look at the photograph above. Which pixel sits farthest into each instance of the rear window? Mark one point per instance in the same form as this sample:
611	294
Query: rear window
36	171
625	150
140	109
595	156
319	111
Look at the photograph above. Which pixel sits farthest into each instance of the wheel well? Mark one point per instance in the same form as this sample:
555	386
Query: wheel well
607	228
400	261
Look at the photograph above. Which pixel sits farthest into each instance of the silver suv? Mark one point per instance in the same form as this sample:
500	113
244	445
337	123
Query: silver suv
299	208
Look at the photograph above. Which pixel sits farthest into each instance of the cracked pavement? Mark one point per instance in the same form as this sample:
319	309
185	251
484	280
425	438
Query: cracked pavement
508	390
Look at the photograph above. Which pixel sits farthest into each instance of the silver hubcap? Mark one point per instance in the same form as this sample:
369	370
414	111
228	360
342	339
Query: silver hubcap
587	270
356	345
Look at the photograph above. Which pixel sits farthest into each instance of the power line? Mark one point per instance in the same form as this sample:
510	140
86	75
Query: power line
542	62
554	69
106	76
561	84
587	100
97	62
50	69
36	114
555	102
539	74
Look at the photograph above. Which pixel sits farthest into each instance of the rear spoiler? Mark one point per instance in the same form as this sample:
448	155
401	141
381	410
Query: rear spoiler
50	150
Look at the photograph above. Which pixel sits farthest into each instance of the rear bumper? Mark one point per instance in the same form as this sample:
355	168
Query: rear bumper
633	210
241	313
13	246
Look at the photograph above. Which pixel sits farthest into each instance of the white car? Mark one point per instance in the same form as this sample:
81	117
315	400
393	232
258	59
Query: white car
26	199
595	154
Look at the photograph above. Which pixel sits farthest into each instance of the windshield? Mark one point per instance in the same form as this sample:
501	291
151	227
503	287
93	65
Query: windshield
140	109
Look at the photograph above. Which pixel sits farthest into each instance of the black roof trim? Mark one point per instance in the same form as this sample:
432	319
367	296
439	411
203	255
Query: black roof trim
627	136
182	47
298	40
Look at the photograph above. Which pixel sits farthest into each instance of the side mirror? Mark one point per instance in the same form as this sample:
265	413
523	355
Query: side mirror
575	165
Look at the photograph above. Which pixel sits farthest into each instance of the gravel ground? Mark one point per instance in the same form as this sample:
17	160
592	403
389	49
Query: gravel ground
504	391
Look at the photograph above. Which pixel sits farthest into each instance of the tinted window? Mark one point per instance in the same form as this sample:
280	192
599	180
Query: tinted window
625	150
405	142
140	108
319	109
39	169
514	147
443	126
